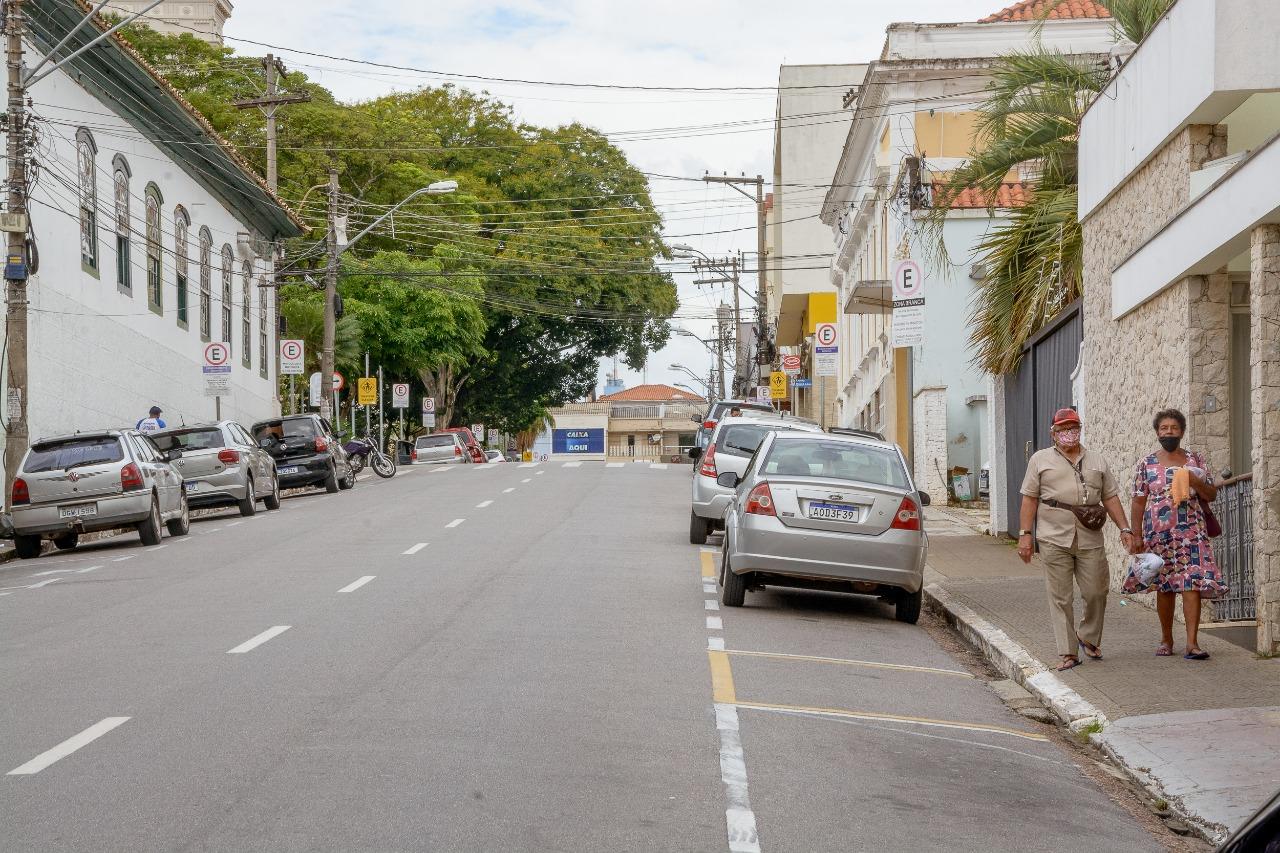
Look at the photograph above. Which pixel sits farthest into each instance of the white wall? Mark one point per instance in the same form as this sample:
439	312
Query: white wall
99	357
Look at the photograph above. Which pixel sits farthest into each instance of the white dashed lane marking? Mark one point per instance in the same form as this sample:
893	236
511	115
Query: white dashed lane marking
615	465
483	504
660	466
527	480
715	623
572	465
455	522
357	583
715	644
415	549
125	557
711	604
508	491
68	746
253	642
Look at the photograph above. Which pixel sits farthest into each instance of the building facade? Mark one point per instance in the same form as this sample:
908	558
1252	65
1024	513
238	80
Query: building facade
154	239
653	423
1180	205
203	19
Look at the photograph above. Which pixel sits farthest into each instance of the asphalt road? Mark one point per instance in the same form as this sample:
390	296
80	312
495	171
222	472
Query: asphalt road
496	658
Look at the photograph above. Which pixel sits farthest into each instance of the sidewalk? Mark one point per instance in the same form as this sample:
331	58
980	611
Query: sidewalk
1203	735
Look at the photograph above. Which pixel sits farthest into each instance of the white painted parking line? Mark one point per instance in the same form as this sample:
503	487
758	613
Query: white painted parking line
455	522
356	584
415	549
715	644
125	557
234	523
711	604
659	466
571	465
86	571
442	467
508	491
252	643
740	820
53	572
45	583
483	504
160	547
615	465
715	623
527	480
540	473
68	746
528	464
709	588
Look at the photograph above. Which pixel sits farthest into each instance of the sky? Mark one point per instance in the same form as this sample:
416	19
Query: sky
696	43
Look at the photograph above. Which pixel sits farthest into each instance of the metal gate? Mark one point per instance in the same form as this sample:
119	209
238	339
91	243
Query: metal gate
1233	550
1040	385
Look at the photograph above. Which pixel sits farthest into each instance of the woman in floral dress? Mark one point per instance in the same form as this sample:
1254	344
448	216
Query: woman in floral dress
1169	504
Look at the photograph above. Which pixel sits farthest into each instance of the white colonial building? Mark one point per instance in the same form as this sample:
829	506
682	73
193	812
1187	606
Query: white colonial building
203	19
154	239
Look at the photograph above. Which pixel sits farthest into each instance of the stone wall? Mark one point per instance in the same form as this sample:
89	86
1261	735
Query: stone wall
1264	305
929	423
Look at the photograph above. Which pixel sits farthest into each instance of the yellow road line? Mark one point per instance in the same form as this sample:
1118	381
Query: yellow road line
721	678
708	565
844	662
888	718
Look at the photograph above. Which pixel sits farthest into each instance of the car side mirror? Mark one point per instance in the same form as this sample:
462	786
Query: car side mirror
925	500
728	479
170	455
694	453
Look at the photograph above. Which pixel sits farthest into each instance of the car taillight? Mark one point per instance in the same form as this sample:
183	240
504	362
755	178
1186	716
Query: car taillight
131	478
708	467
907	517
708	424
457	451
413	455
229	457
21	494
760	501
321	445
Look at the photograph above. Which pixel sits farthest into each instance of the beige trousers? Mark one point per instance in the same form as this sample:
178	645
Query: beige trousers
1087	568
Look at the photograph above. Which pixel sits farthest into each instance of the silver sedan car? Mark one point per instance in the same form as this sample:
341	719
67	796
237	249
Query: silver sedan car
733	441
221	465
825	511
94	481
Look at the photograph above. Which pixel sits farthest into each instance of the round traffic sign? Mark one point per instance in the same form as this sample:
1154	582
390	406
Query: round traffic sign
400	390
908	279
826	334
291	350
339	381
217	354
791	362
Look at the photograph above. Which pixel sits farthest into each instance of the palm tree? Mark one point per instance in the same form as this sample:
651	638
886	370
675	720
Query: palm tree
1029	121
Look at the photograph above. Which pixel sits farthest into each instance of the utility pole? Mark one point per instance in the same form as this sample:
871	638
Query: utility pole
722	339
762	291
728	270
327	410
15	270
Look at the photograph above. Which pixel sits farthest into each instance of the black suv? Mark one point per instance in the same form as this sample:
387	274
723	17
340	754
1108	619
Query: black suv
307	452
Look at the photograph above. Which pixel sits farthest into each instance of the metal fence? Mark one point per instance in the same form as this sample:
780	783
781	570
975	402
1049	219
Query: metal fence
1234	548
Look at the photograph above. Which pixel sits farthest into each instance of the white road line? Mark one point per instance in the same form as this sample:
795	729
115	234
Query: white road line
159	547
711	604
213	530
68	746
571	465
53	572
540	473
483	504
615	465
356	584
508	491
442	467
455	522
415	549
86	571
659	466
122	559
45	583
528	464
234	523
740	821
715	644
715	623
709	588
527	480
252	643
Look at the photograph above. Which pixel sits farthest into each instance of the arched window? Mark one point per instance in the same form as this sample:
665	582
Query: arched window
155	282
228	261
120	180
86	161
206	284
262	326
181	230
246	313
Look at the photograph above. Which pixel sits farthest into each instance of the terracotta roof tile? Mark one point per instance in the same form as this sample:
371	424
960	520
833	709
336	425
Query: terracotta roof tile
651	394
1035	10
972	198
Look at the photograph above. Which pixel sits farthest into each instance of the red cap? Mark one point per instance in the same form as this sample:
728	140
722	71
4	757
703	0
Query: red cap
1065	416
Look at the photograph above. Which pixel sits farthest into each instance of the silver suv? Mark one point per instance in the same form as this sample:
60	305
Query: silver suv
222	465
93	481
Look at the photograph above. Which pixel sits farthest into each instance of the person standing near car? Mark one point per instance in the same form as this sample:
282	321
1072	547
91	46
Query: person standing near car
1068	493
151	423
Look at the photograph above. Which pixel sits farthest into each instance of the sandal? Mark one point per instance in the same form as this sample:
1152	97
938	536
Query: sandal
1164	650
1198	654
1092	651
1068	662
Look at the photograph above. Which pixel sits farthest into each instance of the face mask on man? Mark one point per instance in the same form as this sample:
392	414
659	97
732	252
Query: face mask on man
1170	442
1069	438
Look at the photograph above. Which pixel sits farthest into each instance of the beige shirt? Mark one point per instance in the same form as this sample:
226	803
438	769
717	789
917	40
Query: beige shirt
1087	482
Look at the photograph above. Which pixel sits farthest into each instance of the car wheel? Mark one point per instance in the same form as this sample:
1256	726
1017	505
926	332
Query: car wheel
734	591
272	501
27	547
248	506
331	481
149	531
348	482
181	525
67	542
907	608
697	529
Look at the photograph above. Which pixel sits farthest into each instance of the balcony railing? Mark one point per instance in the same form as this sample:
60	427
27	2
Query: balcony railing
1234	548
654	411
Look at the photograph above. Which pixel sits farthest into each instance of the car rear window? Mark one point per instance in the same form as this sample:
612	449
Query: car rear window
192	439
720	410
442	440
304	428
741	439
72	452
836	460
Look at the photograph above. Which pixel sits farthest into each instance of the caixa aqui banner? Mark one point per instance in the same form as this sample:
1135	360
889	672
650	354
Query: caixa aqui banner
577	441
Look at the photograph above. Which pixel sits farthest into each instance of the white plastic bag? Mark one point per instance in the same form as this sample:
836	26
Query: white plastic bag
1146	568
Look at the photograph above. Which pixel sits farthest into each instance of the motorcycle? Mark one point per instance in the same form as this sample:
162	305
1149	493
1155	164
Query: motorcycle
363	451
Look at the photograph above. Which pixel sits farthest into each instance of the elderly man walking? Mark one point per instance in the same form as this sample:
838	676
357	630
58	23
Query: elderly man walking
1068	493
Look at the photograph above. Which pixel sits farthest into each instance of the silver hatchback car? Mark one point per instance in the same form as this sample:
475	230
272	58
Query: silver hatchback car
441	448
825	511
221	465
94	481
733	442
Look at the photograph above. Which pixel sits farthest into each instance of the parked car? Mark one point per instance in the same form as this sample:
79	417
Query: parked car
442	448
474	450
92	481
826	511
717	410
733	442
494	456
222	465
1259	834
307	452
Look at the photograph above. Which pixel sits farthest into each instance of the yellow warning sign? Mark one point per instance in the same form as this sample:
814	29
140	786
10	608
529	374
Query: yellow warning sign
778	385
367	391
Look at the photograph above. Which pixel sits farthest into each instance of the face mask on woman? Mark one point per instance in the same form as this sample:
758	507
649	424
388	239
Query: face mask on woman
1068	438
1170	442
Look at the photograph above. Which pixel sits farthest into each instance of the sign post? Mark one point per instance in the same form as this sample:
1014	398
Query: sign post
908	303
777	385
764	394
478	431
791	365
217	373
826	362
291	365
429	412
